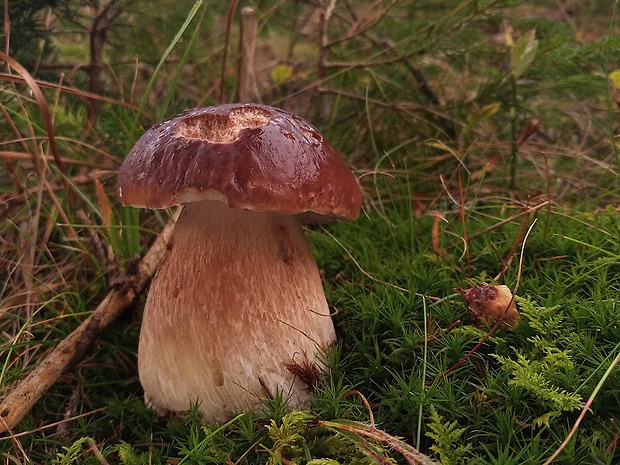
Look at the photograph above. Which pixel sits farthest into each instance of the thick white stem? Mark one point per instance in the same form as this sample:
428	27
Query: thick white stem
236	299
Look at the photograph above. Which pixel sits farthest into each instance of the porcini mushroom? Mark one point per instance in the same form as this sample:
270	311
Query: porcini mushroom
238	297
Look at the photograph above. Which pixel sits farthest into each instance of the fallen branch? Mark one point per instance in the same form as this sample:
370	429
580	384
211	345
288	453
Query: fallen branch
72	349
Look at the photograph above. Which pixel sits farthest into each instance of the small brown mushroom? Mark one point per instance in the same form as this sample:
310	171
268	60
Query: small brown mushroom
487	304
238	297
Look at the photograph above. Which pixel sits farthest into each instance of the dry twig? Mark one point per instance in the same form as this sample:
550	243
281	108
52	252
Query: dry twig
20	400
246	81
232	7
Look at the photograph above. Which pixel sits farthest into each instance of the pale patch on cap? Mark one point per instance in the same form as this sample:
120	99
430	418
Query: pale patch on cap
223	129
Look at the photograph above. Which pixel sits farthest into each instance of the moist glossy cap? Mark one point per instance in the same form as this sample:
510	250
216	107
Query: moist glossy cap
248	155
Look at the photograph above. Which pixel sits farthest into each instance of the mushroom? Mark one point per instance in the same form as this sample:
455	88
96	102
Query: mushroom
237	300
490	304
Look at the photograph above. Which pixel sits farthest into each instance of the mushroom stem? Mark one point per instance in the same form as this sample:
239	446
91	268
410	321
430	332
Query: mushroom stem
237	298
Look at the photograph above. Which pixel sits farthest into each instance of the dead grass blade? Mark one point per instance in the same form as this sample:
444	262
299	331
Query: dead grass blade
585	409
410	453
525	211
52	425
7	26
104	204
8	155
435	235
368	275
68	90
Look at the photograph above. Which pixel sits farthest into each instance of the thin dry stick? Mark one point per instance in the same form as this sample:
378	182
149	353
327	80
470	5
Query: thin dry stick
371	277
20	400
527	211
246	82
232	7
465	241
508	260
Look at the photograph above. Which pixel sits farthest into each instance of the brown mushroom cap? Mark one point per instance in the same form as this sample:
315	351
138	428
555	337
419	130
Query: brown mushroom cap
248	155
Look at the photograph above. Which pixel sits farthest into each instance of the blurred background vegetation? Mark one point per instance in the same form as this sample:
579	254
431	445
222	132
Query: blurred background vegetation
481	112
492	85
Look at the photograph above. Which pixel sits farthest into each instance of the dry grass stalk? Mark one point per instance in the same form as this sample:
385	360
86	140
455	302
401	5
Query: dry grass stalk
9	155
435	235
22	398
68	89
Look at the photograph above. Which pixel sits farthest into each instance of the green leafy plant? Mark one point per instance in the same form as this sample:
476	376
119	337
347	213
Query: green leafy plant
537	376
72	452
287	438
449	443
